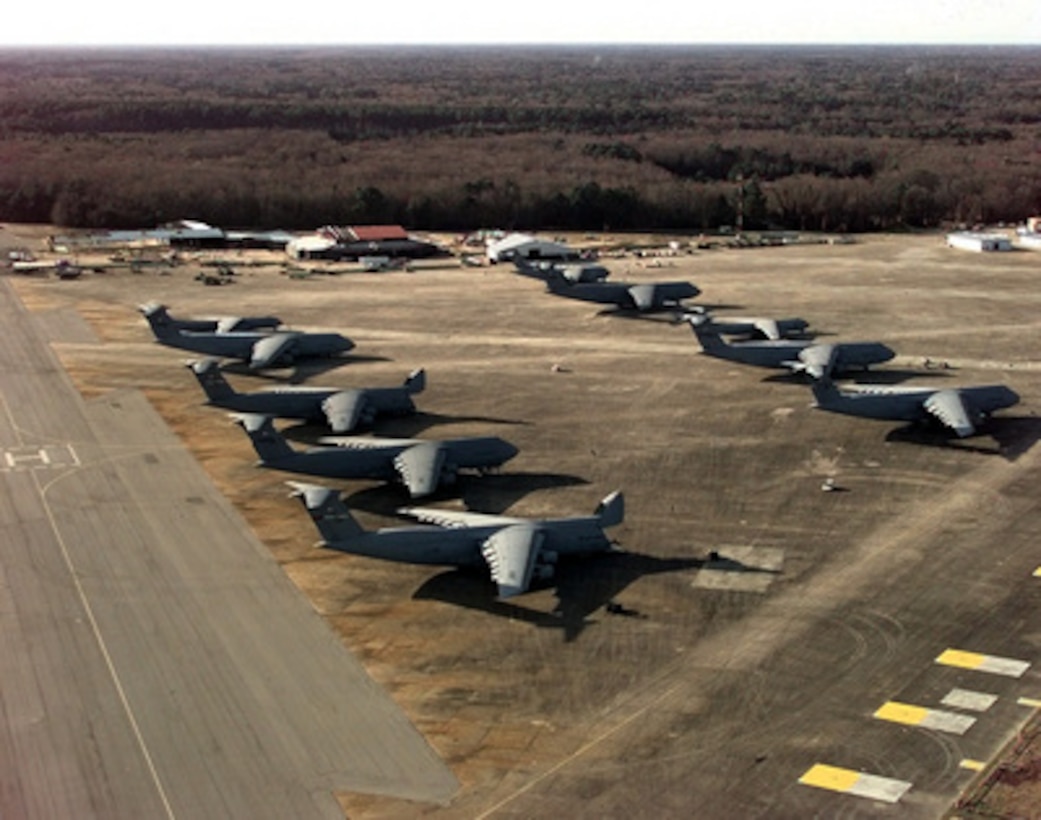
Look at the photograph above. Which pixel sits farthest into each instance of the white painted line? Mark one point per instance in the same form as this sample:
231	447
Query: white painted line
879	788
967	699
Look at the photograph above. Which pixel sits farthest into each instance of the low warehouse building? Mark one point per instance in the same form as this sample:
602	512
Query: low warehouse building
970	241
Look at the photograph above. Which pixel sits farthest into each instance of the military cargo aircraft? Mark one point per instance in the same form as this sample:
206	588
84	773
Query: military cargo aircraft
213	324
515	550
960	409
757	327
343	409
642	297
799	355
257	349
422	466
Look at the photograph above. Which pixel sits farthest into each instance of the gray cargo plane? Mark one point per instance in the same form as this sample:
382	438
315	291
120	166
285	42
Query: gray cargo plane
422	466
758	327
629	296
343	409
214	324
799	355
257	349
960	409
515	550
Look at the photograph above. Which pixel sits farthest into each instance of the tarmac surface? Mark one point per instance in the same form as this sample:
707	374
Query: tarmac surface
155	661
759	648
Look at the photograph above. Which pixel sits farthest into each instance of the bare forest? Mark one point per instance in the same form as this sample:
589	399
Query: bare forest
824	138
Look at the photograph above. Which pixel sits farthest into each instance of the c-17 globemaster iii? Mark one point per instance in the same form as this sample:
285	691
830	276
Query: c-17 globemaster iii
515	550
343	409
800	355
961	409
257	349
421	465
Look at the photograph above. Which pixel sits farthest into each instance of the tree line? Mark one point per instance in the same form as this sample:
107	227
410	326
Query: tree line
587	139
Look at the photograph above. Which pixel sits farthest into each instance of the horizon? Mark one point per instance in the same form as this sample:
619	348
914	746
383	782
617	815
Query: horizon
455	23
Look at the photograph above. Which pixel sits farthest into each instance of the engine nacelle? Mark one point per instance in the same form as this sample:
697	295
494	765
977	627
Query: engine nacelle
543	572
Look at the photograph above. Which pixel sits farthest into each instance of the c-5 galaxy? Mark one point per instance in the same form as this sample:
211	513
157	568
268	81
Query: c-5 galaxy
642	297
257	349
515	550
799	355
960	409
421	465
757	327
214	324
343	409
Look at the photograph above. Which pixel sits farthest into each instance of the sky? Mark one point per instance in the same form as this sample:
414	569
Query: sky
458	22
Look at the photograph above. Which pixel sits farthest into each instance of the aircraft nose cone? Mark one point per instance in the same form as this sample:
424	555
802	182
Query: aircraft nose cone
505	451
345	345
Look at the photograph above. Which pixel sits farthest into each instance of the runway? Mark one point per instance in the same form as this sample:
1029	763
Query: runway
155	661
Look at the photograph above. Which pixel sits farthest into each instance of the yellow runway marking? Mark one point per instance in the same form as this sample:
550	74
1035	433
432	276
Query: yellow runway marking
973	765
1037	572
936	719
1033	703
847	781
995	665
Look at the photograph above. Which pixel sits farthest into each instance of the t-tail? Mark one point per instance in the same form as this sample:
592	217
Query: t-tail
611	511
708	336
270	445
212	381
416	382
825	392
159	320
330	515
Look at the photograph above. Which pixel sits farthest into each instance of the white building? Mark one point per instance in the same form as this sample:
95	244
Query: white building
971	241
525	246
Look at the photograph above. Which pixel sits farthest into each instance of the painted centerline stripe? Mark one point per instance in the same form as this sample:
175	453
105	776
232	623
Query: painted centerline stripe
995	665
936	719
847	781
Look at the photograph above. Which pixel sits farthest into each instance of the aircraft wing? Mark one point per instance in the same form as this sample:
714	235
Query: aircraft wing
456	519
421	466
643	296
343	410
511	554
227	324
817	360
365	442
949	408
268	350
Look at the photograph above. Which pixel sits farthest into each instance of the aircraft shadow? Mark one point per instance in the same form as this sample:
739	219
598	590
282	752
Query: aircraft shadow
302	371
1013	436
401	427
897	376
410	426
583	587
491	494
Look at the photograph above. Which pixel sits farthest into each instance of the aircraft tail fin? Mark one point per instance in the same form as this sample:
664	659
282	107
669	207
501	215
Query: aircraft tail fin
270	445
330	515
824	390
159	320
416	381
611	511
708	336
212	381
